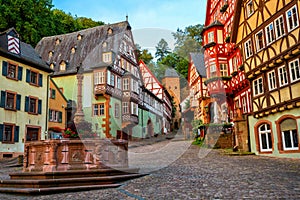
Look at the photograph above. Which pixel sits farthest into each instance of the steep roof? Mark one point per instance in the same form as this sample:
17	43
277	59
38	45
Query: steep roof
27	53
88	49
198	60
236	20
170	72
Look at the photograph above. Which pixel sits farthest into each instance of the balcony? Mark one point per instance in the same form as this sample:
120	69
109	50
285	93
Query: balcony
219	84
102	89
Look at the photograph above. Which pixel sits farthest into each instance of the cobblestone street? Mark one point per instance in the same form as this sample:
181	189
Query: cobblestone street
197	174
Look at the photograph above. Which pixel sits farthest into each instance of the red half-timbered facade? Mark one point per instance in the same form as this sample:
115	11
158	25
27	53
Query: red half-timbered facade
225	77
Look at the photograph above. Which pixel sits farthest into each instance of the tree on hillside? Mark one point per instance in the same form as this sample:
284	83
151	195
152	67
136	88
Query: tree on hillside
162	49
34	19
143	54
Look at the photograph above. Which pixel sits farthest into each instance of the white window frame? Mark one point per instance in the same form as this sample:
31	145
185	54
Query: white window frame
272	80
134	109
270	33
248	49
294	70
268	134
223	69
106	57
257	40
295	22
99	78
282	75
211	37
126	84
119	82
244	104
258	86
213	70
125	107
250	11
279	27
294	147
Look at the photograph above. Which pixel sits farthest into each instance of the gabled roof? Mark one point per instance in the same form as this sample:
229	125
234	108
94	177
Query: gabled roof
198	60
27	53
88	49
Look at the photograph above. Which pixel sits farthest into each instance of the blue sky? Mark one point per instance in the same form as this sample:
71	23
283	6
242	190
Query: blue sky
161	17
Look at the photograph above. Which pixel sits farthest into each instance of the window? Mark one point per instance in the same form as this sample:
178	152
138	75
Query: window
248	48
258	86
223	69
282	73
55	116
63	66
99	78
279	27
52	93
272	80
125	108
294	70
265	138
119	86
213	70
106	57
134	86
12	71
244	104
235	63
270	33
292	18
32	133
112	79
8	133
34	78
117	110
288	129
33	105
250	8
125	84
259	41
10	100
210	37
98	109
134	109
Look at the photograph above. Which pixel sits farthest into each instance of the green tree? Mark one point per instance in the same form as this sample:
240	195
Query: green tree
162	49
143	54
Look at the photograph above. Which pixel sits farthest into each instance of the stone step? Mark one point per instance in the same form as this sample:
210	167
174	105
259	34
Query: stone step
50	190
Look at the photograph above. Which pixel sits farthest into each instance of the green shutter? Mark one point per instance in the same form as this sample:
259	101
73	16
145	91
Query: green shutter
1	132
59	117
26	104
16	136
27	75
40	106
20	73
40	80
4	68
18	102
3	97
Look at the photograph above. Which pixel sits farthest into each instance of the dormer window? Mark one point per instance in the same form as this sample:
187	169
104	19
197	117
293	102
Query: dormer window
73	50
79	37
52	66
62	66
50	54
210	37
109	31
57	41
250	8
106	57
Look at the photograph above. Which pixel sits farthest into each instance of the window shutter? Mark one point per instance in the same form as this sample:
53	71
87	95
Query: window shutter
4	68
59	117
53	94
16	135
40	80
1	132
108	77
26	104
27	75
40	106
20	73
18	102
3	96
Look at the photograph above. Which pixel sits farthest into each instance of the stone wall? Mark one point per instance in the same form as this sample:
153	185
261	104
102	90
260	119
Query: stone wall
65	154
218	139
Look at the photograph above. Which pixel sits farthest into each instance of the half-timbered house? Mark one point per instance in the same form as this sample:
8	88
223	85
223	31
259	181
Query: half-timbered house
268	35
226	83
110	81
24	94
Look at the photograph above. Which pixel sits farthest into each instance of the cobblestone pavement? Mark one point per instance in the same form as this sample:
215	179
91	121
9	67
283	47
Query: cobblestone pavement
197	174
